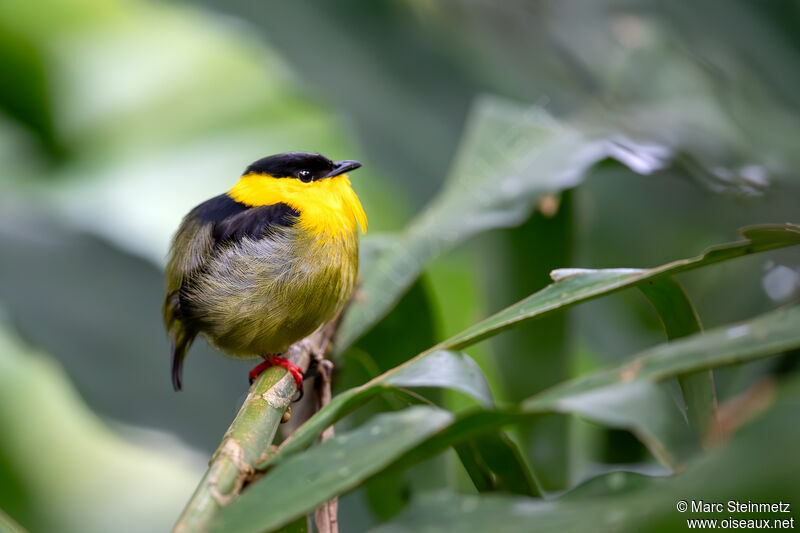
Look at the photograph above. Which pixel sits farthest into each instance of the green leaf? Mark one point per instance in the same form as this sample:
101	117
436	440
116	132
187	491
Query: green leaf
767	334
29	97
630	396
443	368
622	501
56	456
623	397
504	461
476	468
627	397
680	319
298	526
8	525
644	408
676	312
494	463
452	370
574	286
509	157
299	484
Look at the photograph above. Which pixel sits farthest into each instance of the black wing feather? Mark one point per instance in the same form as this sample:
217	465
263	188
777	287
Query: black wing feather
230	222
255	222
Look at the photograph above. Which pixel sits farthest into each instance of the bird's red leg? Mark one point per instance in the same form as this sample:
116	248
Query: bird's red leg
294	370
258	369
274	360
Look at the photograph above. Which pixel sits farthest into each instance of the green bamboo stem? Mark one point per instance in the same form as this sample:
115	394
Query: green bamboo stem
246	440
249	436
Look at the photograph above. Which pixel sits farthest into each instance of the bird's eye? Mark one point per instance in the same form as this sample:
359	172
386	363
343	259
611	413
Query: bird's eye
304	175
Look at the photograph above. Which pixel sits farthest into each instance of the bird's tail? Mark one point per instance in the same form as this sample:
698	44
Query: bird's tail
180	345
181	335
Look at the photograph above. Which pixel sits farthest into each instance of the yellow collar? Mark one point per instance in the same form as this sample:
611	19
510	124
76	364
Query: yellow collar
327	207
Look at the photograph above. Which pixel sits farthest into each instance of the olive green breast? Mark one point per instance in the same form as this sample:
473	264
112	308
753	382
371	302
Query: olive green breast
259	295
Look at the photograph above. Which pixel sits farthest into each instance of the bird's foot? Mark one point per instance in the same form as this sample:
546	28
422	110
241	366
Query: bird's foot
294	370
274	360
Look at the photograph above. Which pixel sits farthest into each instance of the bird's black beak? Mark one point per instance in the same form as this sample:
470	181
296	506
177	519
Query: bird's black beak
340	167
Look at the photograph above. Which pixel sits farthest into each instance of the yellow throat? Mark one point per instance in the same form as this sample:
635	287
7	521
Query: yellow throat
327	207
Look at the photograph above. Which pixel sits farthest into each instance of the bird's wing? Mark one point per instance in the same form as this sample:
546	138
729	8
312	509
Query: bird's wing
217	222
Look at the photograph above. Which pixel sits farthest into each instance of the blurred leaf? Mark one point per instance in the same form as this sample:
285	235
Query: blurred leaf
76	474
644	408
626	502
100	317
680	319
28	99
8	525
387	494
397	73
130	84
579	285
509	157
299	484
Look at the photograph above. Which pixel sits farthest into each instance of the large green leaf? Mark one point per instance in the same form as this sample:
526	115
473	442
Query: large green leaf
335	466
510	156
574	286
627	502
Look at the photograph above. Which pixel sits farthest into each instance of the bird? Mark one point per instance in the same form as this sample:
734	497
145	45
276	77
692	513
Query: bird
265	264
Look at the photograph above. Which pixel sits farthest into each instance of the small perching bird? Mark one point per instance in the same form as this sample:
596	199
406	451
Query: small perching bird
262	266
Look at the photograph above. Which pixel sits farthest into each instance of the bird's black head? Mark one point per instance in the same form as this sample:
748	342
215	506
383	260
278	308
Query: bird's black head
304	166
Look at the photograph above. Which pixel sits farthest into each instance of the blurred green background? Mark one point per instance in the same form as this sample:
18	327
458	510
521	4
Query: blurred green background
118	116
